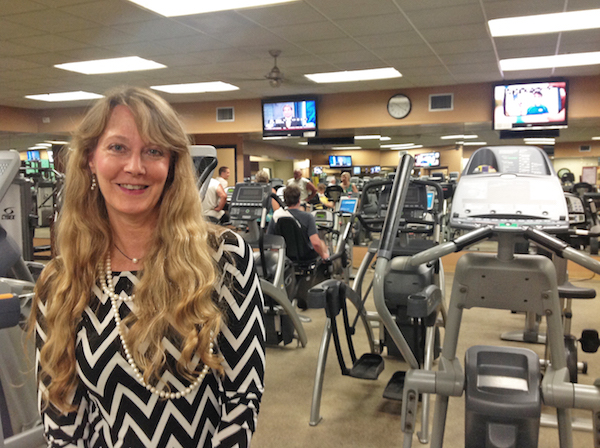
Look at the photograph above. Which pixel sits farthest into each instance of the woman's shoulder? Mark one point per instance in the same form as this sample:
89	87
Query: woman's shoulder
231	243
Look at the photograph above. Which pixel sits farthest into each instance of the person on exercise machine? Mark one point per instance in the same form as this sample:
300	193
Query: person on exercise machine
291	197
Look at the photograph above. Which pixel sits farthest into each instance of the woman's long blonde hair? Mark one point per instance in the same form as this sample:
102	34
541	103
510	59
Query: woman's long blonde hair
174	294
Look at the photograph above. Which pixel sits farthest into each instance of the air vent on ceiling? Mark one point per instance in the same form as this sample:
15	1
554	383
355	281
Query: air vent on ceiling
585	148
225	114
443	101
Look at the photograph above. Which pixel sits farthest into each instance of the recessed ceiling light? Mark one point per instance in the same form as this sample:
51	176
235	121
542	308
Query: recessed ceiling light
367	137
197	87
45	145
57	142
545	23
64	96
561	60
474	143
397	145
355	75
113	65
385	139
346	147
174	8
303	143
596	138
539	141
458	137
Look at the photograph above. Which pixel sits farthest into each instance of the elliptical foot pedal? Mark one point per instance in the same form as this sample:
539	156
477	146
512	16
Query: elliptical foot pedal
395	387
367	367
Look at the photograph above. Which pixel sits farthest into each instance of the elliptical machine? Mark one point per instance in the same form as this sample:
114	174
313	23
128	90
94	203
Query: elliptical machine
520	198
411	297
250	204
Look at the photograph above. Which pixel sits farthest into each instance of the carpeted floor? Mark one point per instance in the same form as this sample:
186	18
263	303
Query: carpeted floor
354	412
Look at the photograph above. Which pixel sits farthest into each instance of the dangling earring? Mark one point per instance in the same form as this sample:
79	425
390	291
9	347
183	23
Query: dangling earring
94	185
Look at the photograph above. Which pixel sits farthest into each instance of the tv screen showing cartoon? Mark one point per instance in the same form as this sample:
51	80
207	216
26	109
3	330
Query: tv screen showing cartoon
293	117
428	159
532	105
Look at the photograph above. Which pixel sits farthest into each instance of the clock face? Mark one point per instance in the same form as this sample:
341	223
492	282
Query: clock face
399	106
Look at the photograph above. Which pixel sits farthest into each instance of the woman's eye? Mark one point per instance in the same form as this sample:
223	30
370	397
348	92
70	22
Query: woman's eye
155	152
116	147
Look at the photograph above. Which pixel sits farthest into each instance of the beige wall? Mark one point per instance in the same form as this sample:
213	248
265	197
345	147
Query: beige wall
472	103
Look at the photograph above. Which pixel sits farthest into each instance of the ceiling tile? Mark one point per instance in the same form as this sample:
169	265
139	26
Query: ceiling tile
110	12
51	20
369	25
10	7
308	32
49	42
284	14
333	9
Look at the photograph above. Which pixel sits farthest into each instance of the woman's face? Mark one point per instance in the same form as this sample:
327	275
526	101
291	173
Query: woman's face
131	172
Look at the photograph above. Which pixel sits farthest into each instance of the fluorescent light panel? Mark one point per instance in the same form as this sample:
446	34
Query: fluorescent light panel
355	75
173	8
113	65
367	137
545	23
458	137
474	143
197	87
64	96
561	60
346	147
596	138
396	145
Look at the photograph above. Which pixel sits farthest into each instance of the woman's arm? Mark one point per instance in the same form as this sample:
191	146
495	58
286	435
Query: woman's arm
61	430
241	343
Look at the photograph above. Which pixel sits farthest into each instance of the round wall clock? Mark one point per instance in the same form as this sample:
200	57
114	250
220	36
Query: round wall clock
399	106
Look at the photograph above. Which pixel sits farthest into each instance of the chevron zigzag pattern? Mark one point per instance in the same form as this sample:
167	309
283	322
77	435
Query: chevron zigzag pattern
114	410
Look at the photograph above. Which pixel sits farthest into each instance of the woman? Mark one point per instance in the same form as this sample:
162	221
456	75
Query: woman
148	327
346	185
262	177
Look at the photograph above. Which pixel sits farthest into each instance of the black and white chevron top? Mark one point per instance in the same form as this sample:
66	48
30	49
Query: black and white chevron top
114	410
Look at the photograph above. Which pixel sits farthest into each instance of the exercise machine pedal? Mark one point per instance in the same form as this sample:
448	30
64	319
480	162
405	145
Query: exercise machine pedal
395	386
368	367
590	342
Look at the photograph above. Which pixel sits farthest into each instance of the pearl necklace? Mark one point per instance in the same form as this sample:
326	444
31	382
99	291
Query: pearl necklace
134	260
108	288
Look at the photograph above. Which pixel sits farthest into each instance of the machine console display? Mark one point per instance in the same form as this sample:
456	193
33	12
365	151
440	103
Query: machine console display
509	188
9	167
348	205
247	200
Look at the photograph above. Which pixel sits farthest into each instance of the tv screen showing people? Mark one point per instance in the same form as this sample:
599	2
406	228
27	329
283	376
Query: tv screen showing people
537	105
340	161
289	117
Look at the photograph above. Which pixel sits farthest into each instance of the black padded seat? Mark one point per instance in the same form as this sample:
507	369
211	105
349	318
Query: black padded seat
569	291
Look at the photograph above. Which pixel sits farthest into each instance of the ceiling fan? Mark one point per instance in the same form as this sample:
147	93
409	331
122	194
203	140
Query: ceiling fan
275	76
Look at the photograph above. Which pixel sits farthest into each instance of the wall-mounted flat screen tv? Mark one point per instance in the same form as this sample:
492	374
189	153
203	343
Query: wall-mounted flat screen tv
526	105
340	161
375	169
356	170
289	117
33	155
317	170
427	160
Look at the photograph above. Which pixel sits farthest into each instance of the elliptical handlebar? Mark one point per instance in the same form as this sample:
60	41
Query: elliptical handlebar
397	199
562	249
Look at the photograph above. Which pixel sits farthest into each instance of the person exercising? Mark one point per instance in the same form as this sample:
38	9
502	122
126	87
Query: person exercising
291	196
